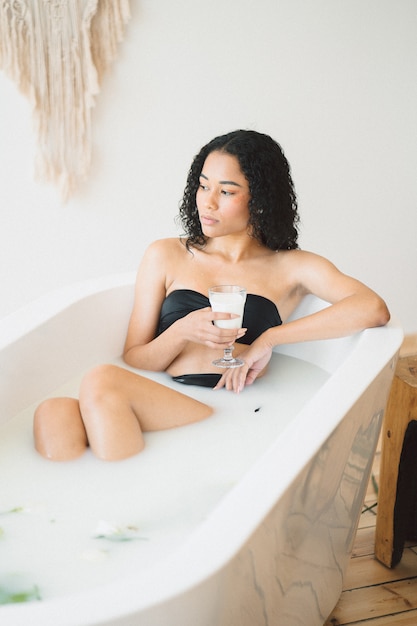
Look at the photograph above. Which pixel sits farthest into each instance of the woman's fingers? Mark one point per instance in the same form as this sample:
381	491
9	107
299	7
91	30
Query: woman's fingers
233	379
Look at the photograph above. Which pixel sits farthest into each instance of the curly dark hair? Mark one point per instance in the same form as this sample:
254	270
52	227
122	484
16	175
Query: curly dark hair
273	203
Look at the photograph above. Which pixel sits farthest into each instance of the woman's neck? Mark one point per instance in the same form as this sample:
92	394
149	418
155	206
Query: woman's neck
234	248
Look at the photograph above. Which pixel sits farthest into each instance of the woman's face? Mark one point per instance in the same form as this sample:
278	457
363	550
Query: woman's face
223	196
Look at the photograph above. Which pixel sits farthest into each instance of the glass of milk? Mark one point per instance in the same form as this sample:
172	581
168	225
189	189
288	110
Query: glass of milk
228	299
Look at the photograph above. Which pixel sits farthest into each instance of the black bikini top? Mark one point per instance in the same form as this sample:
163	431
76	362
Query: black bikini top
259	314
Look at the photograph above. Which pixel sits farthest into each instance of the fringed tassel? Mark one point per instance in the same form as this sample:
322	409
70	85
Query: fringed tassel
107	31
57	52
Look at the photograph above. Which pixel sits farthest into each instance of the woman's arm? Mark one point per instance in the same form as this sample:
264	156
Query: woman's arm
142	349
354	307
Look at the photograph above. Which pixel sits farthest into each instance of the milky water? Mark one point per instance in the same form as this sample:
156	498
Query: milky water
51	513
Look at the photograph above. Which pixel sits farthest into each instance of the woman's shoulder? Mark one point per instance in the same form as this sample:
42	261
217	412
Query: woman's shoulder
301	265
167	246
299	256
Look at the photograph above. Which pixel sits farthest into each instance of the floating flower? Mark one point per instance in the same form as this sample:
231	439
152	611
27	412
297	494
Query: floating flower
106	530
16	509
8	596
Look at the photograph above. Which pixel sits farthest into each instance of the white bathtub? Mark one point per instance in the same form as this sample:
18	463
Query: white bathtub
272	487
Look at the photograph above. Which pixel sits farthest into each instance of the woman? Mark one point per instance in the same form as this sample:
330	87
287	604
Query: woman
239	212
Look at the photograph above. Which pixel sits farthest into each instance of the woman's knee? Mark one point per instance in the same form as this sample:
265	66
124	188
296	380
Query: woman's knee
58	430
99	382
46	413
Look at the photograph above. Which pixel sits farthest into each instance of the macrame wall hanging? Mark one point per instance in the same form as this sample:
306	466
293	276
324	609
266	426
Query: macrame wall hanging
57	51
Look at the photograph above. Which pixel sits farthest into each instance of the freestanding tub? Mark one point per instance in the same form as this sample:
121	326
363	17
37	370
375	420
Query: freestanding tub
272	519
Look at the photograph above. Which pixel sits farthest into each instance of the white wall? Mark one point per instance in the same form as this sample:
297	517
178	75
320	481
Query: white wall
334	81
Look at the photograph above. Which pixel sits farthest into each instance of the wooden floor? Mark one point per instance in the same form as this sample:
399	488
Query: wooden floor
374	595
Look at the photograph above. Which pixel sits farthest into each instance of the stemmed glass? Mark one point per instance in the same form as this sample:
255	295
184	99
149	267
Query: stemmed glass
228	299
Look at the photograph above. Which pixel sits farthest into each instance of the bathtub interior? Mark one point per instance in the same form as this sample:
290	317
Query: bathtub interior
51	343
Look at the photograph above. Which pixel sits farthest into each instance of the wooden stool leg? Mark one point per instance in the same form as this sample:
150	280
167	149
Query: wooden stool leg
401	410
406	499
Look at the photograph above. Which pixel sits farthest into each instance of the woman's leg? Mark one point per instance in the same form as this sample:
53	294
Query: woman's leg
59	430
116	406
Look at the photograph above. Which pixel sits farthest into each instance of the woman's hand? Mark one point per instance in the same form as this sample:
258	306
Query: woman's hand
255	358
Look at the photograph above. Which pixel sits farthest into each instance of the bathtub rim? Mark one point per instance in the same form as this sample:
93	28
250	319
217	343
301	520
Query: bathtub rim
40	310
